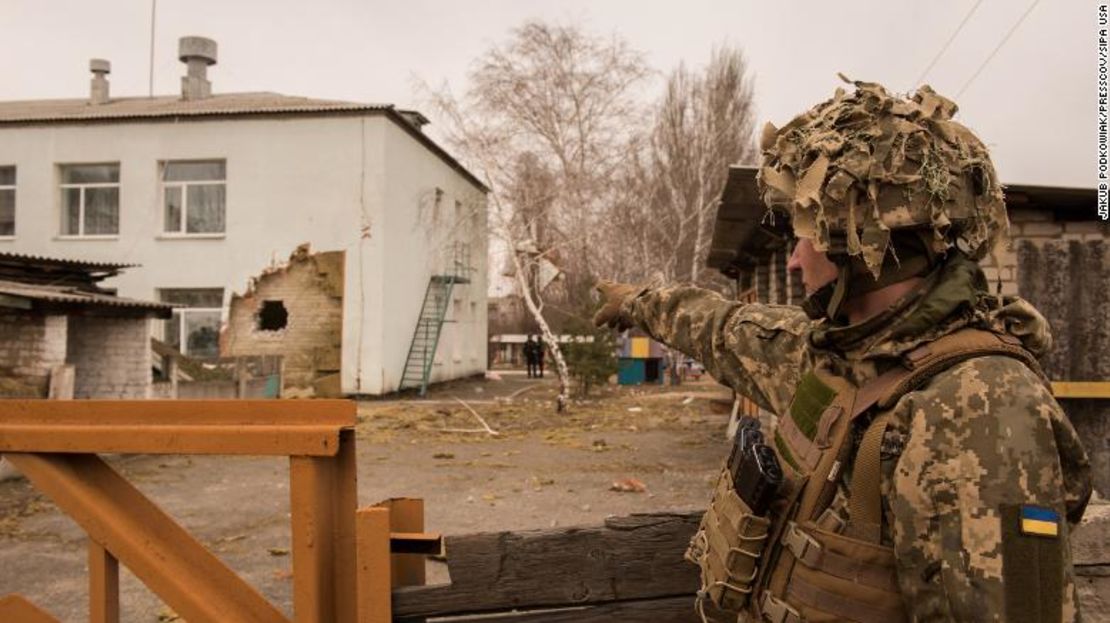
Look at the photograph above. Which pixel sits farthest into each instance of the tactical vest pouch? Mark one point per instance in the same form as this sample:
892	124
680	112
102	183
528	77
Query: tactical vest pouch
727	548
839	578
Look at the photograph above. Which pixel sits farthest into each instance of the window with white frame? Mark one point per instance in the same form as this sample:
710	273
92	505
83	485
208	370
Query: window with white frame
194	196
194	328
90	199
7	201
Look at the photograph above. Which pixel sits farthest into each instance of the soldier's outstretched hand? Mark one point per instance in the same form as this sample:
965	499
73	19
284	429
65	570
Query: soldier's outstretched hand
614	296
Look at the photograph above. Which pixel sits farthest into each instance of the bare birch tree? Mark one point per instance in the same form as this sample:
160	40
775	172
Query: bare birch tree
702	124
562	100
673	179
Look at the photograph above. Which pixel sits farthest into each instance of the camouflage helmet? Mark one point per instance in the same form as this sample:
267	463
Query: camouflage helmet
854	168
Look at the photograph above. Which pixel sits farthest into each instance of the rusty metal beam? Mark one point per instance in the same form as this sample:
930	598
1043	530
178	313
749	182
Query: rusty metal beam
103	585
323	501
375	598
423	543
179	412
258	439
406	515
187	577
17	609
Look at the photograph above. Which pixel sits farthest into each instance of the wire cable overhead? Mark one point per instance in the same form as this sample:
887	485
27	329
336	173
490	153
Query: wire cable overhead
997	48
944	48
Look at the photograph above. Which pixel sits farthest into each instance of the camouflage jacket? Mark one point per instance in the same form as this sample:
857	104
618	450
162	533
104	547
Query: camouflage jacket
983	435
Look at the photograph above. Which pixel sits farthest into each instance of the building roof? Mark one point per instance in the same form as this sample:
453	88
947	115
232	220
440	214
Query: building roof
131	108
741	237
59	298
222	105
40	260
35	269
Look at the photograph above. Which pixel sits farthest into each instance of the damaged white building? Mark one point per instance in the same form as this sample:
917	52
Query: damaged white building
207	189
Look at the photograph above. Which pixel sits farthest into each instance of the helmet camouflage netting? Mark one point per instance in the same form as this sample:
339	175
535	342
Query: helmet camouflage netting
863	164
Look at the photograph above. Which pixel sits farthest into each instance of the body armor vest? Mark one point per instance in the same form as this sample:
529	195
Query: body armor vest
805	563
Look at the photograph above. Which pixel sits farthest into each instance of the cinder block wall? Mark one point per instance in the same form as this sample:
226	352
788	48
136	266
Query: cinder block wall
30	346
111	357
1035	226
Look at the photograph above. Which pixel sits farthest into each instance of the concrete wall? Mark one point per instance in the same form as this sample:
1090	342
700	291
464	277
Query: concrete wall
349	183
422	237
111	357
310	289
31	345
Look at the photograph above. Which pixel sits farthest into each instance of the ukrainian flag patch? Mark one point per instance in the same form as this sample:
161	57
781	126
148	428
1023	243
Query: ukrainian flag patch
1040	521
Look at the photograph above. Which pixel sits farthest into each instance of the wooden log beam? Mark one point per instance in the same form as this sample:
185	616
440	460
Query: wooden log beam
629	558
665	610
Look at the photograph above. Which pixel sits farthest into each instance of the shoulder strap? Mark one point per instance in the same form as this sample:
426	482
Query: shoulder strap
928	360
918	366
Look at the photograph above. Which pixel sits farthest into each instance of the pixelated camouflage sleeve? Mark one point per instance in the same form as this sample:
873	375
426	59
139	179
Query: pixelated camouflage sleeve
981	440
756	349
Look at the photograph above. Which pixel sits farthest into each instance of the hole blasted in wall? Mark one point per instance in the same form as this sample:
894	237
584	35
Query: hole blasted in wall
272	316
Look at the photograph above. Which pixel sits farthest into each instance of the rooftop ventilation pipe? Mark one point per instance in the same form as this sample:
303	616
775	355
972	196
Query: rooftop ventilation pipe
98	86
197	53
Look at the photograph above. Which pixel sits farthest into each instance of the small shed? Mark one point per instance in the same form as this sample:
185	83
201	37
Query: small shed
62	335
640	360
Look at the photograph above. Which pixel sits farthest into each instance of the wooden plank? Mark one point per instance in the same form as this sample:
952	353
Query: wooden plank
666	610
172	563
323	499
258	439
1081	389
103	585
374	603
629	558
180	412
17	609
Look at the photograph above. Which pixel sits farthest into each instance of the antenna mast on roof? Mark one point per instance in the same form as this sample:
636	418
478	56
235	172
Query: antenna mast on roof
150	87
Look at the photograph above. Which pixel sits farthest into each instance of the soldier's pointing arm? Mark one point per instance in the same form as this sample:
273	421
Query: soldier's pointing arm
756	349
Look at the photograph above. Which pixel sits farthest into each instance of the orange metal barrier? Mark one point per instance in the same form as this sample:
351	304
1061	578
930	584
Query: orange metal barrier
341	558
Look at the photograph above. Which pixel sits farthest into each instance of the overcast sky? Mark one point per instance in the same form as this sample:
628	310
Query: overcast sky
1032	104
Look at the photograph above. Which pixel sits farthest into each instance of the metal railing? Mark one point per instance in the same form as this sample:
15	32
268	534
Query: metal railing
342	555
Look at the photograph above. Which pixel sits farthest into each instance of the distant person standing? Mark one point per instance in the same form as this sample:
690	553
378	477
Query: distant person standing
530	357
539	356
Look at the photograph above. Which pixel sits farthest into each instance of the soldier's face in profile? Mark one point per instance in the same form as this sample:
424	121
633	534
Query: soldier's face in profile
816	268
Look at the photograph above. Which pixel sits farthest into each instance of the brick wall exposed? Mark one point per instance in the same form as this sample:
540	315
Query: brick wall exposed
111	357
30	346
310	288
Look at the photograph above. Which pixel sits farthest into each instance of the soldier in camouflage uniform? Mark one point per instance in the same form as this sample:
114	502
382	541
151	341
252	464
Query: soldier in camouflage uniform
893	204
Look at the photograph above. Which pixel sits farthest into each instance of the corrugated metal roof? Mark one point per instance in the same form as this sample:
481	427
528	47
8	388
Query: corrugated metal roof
120	108
69	295
58	261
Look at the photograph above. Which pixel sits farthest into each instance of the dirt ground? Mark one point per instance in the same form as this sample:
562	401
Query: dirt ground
542	470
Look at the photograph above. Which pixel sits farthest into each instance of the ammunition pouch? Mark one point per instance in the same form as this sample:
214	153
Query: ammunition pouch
727	548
